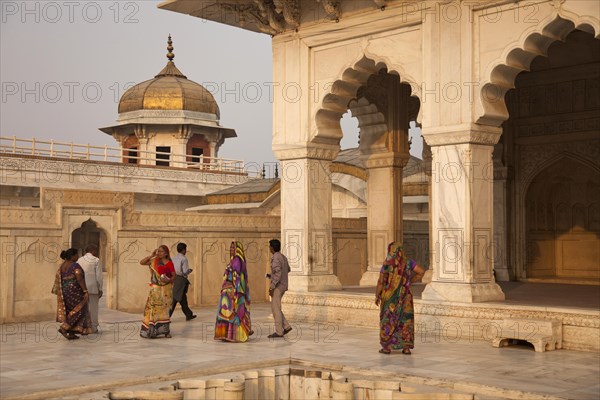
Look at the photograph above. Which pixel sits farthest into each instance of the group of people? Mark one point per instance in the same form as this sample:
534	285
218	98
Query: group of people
169	285
78	286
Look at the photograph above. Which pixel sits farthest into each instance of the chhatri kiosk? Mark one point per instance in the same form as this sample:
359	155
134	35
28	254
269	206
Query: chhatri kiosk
506	94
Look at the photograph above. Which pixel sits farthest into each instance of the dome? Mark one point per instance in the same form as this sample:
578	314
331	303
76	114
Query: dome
169	90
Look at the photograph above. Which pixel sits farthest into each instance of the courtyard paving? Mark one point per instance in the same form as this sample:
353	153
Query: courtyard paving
37	363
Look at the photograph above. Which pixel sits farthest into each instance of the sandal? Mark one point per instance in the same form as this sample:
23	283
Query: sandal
406	351
64	333
383	351
72	336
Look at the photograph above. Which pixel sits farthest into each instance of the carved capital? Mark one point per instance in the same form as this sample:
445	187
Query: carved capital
461	134
328	153
385	160
184	132
120	137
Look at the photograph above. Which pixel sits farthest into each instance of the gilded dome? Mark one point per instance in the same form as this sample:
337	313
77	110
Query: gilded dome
169	90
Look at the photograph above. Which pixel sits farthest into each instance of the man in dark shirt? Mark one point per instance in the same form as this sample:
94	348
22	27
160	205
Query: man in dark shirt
278	286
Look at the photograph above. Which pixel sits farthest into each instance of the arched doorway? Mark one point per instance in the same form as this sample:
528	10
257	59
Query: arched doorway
563	222
549	165
87	234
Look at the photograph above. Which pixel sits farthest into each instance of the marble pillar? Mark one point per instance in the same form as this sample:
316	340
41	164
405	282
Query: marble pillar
312	384
462	214
266	384
306	218
233	390
193	388
282	383
296	383
251	384
214	389
384	209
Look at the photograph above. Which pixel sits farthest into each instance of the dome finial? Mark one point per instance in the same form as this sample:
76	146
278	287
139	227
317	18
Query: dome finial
170	48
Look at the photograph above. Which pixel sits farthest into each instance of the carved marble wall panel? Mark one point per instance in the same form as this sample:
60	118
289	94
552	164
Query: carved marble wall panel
449	253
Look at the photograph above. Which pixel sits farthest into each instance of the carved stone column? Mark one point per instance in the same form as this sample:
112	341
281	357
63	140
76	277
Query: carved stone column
426	154
142	135
384	209
501	270
306	216
179	154
462	213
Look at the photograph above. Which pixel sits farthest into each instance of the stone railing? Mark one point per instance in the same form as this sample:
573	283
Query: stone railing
72	151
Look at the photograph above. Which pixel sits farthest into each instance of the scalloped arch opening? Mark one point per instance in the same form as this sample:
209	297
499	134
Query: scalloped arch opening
344	95
519	59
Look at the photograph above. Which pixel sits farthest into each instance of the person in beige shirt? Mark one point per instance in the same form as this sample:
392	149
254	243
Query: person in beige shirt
90	263
277	288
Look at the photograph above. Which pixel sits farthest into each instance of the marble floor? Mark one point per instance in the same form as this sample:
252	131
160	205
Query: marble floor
37	363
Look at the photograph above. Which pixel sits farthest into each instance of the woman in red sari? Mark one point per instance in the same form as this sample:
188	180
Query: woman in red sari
72	297
233	316
397	321
156	314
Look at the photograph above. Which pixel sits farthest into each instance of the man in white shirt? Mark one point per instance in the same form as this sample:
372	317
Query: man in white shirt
181	282
90	263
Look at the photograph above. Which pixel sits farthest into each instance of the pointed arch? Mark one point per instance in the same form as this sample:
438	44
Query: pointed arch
344	95
516	59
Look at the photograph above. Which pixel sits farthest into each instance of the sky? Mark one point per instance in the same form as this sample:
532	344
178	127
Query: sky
65	65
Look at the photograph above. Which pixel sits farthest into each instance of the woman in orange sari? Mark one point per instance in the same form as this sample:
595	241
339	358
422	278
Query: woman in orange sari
72	297
156	314
233	317
396	315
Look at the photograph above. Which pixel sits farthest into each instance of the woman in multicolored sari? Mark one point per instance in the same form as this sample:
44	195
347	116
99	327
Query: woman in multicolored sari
72	297
233	317
397	329
156	314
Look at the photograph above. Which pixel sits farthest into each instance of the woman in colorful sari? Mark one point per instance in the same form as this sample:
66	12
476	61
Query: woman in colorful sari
156	314
72	297
397	329
233	317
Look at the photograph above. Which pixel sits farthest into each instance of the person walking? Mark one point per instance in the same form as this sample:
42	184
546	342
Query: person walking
71	297
90	263
393	295
181	282
277	288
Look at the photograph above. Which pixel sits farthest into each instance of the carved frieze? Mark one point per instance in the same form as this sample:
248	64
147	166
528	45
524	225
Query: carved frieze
195	220
558	127
312	152
394	160
534	155
50	171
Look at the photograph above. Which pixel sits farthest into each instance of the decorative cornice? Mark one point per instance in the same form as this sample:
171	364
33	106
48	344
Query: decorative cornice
224	222
328	153
384	160
461	134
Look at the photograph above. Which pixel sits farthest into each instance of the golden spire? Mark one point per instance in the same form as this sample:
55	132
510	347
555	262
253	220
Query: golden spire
170	69
170	48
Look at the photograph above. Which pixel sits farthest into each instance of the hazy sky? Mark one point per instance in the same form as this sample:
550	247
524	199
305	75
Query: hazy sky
65	64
